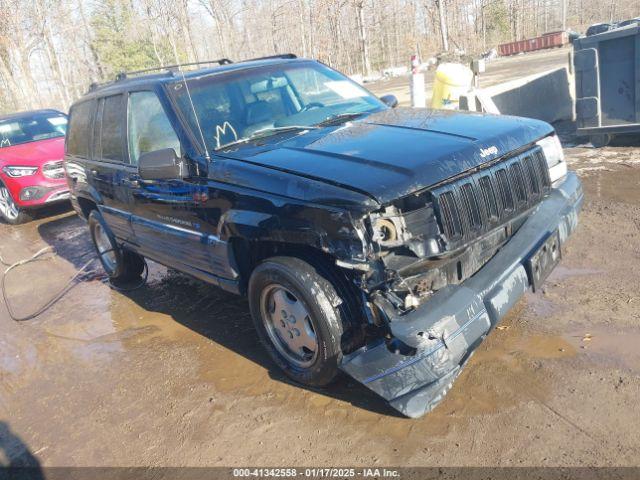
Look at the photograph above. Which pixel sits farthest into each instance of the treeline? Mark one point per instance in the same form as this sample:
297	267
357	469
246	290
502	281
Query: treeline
51	50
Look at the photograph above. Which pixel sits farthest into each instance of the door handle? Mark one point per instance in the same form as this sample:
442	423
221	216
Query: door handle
94	172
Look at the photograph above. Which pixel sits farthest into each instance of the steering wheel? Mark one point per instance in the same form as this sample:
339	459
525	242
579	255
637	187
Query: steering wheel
311	106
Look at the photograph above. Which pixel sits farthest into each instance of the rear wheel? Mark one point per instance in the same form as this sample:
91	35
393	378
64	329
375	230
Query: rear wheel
300	318
600	140
9	211
120	265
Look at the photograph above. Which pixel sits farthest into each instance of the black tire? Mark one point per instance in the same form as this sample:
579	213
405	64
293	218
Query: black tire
11	213
124	265
326	311
600	140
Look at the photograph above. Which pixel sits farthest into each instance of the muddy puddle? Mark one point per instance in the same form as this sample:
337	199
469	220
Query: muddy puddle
181	357
624	187
618	348
174	313
610	178
507	369
562	272
99	326
504	372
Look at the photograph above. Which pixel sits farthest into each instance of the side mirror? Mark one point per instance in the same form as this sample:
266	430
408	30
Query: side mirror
390	100
161	165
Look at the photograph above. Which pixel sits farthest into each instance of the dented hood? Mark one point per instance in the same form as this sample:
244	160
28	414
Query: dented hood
392	153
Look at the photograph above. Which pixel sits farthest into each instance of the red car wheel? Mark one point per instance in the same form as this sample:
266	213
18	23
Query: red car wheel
9	211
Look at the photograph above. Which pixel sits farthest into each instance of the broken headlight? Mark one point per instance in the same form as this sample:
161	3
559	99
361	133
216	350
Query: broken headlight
415	229
387	227
554	155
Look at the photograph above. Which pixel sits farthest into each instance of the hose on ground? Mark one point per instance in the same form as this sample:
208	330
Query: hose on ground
60	293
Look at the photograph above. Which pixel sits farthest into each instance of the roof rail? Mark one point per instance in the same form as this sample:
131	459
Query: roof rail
269	57
170	68
123	75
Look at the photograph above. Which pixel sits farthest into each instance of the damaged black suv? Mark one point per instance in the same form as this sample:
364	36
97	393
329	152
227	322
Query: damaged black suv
382	241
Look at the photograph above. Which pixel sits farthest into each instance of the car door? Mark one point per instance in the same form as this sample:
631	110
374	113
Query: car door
169	216
108	168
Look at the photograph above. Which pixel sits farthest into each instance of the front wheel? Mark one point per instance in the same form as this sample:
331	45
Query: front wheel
120	265
9	211
299	317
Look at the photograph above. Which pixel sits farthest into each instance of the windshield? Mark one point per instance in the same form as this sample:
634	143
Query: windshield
31	129
255	103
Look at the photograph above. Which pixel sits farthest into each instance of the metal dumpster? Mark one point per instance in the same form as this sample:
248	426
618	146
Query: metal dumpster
607	76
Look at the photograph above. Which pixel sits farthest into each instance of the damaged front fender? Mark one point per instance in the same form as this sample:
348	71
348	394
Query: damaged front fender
307	212
431	343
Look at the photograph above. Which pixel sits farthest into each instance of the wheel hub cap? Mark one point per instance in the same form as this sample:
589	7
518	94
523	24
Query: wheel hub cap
289	326
7	206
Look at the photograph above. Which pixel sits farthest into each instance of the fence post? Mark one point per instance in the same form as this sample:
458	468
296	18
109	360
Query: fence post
418	98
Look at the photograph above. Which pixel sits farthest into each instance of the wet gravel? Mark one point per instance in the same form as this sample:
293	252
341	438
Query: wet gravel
173	374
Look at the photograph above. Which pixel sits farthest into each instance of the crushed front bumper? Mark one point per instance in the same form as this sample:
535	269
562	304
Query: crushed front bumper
445	330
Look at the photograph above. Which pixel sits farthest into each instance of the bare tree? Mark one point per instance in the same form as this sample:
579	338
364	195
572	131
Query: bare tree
50	50
443	25
362	30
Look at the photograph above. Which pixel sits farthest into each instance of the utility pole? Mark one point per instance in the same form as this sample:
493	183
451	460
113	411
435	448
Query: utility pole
443	25
564	14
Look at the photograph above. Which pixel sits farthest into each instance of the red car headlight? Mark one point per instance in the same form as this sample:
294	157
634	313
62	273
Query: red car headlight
17	171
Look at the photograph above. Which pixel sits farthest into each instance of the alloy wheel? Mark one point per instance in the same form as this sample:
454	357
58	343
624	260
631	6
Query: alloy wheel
8	208
289	325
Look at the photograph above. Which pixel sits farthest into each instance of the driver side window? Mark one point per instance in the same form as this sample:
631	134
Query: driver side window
149	127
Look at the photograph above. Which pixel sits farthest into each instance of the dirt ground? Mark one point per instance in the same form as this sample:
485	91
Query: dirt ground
497	71
172	374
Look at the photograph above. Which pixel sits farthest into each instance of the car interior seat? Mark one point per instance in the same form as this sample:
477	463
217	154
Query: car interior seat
258	116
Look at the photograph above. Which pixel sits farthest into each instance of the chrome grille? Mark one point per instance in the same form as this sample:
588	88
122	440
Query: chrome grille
488	198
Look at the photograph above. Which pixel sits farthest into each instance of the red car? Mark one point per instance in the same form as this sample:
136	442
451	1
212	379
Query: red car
31	170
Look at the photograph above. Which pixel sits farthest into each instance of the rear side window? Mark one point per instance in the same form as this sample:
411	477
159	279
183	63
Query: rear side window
149	126
79	128
109	129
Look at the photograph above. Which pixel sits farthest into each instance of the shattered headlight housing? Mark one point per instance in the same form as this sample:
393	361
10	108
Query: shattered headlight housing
15	171
384	230
554	155
412	227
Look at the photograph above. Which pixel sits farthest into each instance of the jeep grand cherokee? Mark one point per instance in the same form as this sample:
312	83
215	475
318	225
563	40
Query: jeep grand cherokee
382	241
